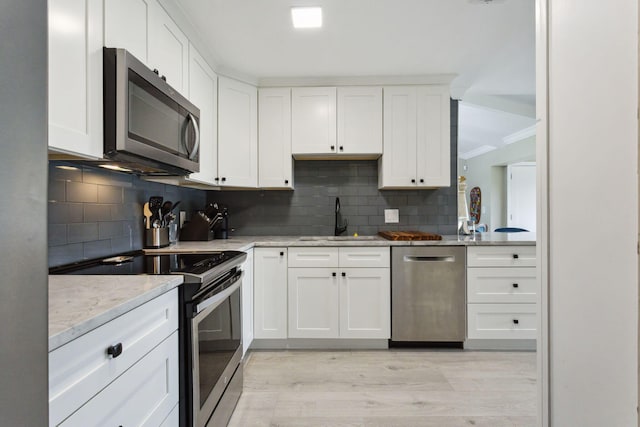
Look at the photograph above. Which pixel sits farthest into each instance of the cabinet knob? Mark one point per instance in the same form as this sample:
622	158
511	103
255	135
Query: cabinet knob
155	70
164	78
515	256
281	253
115	350
286	181
413	181
344	274
421	180
515	321
515	285
341	148
333	274
333	148
217	179
224	179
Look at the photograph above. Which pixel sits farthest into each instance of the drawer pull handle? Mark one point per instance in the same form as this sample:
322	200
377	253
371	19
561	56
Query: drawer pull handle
333	274
515	321
515	285
515	256
115	350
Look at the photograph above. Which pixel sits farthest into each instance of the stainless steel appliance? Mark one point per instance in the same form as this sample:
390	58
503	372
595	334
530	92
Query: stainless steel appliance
149	128
210	325
428	301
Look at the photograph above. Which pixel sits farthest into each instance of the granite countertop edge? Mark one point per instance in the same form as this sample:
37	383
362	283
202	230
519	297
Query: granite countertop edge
76	307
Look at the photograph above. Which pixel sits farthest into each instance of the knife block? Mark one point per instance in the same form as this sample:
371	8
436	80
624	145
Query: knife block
155	238
196	230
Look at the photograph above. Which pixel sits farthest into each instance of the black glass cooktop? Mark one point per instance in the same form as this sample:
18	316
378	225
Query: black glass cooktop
139	263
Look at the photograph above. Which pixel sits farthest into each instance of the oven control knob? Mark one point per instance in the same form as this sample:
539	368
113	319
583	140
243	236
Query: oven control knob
115	350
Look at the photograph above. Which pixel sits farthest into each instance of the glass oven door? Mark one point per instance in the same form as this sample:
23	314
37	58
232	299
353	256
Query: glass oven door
217	348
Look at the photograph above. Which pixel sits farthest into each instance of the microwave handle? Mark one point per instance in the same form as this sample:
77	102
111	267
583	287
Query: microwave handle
196	129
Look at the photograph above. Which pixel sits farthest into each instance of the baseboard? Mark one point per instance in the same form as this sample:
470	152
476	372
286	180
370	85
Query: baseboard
510	344
319	344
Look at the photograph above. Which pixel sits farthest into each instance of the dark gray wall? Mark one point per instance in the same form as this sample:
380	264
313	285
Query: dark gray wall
309	209
23	173
94	212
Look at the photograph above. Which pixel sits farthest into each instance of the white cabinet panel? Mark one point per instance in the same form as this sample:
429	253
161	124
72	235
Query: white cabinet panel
127	26
173	419
372	256
270	293
247	302
359	120
203	93
502	321
144	396
313	120
365	303
81	368
313	257
275	164
237	133
501	256
433	137
398	162
502	285
168	49
313	303
75	77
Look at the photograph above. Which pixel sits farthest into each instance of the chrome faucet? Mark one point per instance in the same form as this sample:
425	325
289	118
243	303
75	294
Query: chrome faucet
339	229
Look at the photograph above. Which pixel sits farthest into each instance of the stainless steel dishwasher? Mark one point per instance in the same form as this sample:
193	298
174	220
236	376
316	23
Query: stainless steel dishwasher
428	302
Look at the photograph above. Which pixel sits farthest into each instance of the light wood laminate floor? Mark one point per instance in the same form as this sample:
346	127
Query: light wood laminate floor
386	388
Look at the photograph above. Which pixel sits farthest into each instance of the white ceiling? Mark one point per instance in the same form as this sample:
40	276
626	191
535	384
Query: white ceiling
489	46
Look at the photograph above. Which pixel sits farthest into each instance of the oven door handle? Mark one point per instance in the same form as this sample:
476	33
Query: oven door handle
218	298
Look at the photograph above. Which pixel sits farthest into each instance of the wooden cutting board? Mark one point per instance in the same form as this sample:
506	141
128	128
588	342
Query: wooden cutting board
409	235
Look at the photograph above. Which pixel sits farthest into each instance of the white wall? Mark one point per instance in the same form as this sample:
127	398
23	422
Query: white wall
593	212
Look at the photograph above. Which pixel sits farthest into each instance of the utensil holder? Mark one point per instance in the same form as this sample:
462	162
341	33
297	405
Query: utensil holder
156	237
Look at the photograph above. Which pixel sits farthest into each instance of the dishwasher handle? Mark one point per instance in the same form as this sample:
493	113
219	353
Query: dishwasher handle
409	258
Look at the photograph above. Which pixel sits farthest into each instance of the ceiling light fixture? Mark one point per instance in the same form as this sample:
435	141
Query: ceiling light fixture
306	17
67	168
115	168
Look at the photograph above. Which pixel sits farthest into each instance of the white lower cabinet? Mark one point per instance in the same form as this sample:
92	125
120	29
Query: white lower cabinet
270	293
501	293
247	302
335	293
143	396
140	383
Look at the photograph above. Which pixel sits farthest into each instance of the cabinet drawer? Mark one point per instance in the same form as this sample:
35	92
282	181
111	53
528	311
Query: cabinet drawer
313	257
502	285
501	256
143	396
80	369
498	321
376	257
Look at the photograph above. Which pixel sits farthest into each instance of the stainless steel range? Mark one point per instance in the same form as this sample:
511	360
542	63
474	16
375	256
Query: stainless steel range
210	325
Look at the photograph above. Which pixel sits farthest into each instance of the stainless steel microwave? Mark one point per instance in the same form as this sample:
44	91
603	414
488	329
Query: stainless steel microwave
149	128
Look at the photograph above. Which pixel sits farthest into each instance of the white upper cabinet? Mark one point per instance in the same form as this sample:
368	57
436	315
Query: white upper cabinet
275	165
126	25
203	92
168	49
416	137
313	120
75	77
360	120
237	134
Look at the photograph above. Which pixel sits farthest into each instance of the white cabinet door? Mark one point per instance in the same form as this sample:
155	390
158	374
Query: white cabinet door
75	77
313	120
203	92
168	49
127	26
433	137
360	120
247	302
398	162
365	303
237	133
275	164
270	293
313	303
143	396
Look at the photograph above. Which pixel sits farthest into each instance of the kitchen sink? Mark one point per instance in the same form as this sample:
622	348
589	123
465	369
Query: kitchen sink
336	238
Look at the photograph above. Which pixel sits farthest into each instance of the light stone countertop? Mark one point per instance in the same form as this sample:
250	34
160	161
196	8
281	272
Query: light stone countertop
243	243
79	304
